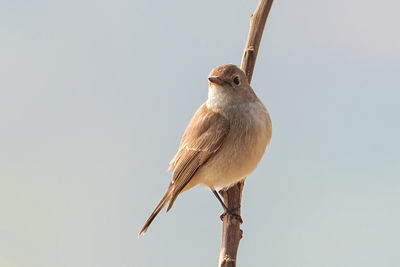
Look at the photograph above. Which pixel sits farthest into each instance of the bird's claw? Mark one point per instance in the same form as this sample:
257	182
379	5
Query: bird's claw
231	213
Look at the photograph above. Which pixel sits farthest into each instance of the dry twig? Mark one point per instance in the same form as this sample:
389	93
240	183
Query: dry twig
232	233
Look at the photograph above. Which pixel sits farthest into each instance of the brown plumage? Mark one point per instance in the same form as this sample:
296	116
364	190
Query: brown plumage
223	142
202	138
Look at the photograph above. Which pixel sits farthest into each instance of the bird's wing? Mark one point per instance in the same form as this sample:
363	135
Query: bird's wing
203	137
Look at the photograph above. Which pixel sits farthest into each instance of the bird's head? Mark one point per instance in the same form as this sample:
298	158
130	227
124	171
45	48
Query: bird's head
227	85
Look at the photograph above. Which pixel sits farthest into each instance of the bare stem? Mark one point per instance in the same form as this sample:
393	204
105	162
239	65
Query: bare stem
232	233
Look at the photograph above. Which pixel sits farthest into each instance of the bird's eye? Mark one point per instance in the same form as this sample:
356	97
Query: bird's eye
236	80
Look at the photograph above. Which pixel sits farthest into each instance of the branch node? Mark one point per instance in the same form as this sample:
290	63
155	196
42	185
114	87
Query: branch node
228	259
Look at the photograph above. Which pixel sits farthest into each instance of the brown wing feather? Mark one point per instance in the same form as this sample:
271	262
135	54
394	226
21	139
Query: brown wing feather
201	140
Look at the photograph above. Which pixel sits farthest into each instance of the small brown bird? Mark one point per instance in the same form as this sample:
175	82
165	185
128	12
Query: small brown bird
224	141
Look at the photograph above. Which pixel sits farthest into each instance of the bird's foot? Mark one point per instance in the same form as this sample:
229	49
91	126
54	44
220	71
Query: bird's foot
231	212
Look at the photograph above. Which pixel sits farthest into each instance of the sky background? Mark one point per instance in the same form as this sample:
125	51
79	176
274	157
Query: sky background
95	95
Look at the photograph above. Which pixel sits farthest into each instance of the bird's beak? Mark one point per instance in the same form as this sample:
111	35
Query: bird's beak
216	80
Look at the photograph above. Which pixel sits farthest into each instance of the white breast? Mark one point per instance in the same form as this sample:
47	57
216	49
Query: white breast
242	150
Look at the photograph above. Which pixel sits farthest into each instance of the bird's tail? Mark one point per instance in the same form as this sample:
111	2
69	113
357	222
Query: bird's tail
158	208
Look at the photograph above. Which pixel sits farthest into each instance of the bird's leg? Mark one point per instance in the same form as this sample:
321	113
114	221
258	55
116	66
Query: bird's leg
219	199
226	210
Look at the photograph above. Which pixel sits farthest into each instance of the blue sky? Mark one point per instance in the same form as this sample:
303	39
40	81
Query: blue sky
95	95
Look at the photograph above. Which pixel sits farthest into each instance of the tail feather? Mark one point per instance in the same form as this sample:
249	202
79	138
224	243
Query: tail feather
171	201
158	208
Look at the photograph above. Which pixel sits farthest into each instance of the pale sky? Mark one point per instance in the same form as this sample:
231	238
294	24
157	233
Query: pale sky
95	95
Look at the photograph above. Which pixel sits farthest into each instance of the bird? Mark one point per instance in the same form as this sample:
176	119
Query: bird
224	141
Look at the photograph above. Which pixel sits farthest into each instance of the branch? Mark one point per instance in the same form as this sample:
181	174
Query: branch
232	233
257	24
